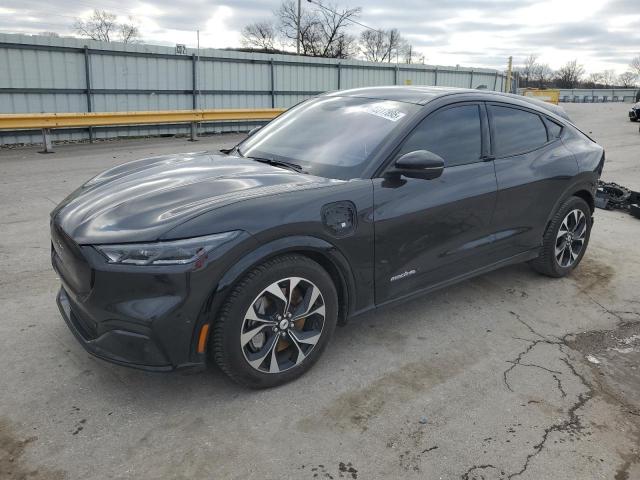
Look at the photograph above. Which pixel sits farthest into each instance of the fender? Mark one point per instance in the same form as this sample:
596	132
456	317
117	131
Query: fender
585	181
295	243
284	245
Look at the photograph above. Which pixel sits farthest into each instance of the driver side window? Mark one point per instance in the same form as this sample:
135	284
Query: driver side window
453	133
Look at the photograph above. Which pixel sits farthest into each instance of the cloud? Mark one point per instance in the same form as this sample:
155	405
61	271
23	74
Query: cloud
484	33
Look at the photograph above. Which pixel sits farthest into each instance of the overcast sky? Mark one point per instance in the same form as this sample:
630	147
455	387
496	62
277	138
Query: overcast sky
601	34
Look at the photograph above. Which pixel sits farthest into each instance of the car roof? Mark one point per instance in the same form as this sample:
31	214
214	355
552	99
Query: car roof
421	95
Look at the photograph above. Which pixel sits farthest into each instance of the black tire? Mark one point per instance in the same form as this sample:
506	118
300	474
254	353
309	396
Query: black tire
547	263
226	347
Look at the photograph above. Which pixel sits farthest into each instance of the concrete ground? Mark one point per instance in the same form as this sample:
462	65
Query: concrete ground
509	375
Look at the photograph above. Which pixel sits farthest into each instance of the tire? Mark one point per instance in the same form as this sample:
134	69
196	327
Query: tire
251	328
549	263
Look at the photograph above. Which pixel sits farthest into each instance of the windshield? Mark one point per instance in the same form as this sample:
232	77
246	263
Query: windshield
332	137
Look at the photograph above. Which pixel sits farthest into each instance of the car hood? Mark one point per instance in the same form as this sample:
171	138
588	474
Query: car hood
142	200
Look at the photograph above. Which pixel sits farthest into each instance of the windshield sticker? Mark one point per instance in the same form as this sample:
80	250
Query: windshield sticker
387	113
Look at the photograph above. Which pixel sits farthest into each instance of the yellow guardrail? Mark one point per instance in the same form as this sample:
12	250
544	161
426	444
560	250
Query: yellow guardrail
19	121
47	121
546	95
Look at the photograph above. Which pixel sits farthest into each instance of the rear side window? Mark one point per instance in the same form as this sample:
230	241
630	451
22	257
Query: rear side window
516	131
453	133
554	129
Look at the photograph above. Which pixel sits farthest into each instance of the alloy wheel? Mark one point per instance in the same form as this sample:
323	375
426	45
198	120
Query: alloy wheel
570	238
282	325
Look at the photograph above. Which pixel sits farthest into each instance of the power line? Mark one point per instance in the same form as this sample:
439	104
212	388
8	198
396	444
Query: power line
347	19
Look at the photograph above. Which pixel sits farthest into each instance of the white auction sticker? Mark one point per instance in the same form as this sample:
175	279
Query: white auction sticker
387	113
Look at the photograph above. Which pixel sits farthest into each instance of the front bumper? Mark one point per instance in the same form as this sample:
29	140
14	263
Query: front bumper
146	317
118	345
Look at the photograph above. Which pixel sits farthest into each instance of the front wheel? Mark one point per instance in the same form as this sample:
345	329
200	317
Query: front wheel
565	240
276	322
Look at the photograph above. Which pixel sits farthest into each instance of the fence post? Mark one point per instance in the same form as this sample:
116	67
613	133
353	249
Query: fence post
273	84
46	141
435	81
495	81
395	78
471	79
194	95
339	71
87	76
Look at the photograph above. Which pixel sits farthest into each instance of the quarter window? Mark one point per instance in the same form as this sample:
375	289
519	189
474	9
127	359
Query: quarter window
554	129
453	133
516	131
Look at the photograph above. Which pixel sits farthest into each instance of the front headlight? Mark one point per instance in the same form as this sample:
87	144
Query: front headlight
176	252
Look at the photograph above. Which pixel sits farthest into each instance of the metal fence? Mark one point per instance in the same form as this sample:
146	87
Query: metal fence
44	74
595	95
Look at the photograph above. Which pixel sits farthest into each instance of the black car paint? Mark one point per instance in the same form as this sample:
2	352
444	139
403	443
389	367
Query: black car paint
471	219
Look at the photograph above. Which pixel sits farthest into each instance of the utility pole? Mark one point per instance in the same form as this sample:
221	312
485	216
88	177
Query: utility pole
298	35
509	67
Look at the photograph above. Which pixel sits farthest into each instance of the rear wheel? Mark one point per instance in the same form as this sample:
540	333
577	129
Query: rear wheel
276	322
565	240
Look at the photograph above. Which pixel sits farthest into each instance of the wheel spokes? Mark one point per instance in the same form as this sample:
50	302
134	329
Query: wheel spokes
293	283
270	320
275	290
311	304
246	337
570	238
298	338
256	360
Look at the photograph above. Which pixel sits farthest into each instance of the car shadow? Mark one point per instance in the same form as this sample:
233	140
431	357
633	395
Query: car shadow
366	329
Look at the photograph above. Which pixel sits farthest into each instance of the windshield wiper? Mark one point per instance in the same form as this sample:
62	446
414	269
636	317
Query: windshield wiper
279	163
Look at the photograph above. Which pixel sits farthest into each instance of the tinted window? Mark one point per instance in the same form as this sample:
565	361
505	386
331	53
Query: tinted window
453	133
554	129
516	131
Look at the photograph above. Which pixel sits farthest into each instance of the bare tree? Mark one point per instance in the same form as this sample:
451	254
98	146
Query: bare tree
103	26
594	79
323	32
129	32
408	54
627	79
609	78
381	45
528	69
542	75
635	65
260	35
569	74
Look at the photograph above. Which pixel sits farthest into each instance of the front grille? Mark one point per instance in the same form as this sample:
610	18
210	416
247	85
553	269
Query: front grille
69	262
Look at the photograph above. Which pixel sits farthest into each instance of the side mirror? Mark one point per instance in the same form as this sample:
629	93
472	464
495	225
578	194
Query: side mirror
420	164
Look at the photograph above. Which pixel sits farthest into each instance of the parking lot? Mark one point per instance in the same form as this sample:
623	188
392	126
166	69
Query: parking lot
509	375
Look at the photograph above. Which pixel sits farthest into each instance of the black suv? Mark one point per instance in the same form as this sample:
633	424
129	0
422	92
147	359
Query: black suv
346	202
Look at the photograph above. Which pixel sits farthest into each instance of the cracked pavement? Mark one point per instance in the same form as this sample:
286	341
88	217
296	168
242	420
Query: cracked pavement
507	376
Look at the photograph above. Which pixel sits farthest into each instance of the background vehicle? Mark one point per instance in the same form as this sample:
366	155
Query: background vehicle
349	201
634	112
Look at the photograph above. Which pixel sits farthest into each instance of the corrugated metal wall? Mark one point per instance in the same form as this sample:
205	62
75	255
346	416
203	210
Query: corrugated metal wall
44	74
598	94
588	95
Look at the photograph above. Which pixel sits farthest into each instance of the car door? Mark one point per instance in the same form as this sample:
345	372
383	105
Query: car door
533	168
430	231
